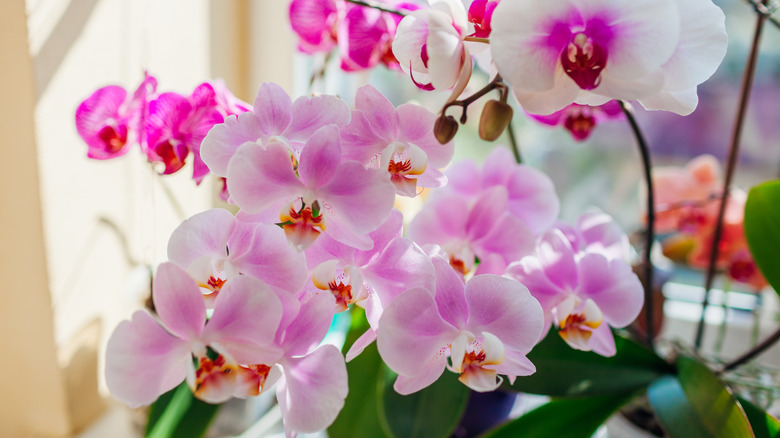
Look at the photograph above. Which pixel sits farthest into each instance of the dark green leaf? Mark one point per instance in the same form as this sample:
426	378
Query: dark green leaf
563	418
763	424
717	408
432	412
564	371
178	414
674	411
762	216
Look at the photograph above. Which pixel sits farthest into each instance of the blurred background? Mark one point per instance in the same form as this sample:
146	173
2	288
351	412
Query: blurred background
77	234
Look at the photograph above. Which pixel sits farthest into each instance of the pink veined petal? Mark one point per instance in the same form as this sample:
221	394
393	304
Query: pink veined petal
464	177
320	157
485	213
363	197
204	234
503	307
313	389
613	286
390	229
310	325
509	237
431	371
312	20
402	265
259	177
412	333
343	232
359	142
557	256
602	341
526	43
416	127
362	34
530	272
224	139
166	113
515	364
143	361
309	114
246	316
265	254
273	109
380	113
441	220
94	114
601	234
178	301
450	298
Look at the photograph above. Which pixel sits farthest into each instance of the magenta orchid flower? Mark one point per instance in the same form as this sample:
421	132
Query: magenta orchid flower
429	44
399	139
478	330
580	120
110	122
213	247
146	357
583	293
591	51
317	194
480	16
316	23
276	118
531	194
177	125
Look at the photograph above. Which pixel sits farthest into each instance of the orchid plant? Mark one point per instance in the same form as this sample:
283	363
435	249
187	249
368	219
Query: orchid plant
485	289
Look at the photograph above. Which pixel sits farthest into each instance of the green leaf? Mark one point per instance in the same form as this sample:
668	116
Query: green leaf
563	418
762	216
563	371
763	424
178	414
674	411
716	407
432	412
360	415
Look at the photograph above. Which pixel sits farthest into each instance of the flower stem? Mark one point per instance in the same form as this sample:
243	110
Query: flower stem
377	7
513	142
477	39
747	83
650	233
753	352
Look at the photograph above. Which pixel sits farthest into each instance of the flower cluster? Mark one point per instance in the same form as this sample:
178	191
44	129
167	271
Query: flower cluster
245	301
168	127
688	202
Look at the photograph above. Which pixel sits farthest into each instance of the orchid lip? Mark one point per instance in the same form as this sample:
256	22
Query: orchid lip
583	60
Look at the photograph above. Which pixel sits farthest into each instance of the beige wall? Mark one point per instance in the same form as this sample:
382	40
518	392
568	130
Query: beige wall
68	278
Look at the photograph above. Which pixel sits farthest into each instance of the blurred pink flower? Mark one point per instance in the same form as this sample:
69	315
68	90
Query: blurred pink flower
580	120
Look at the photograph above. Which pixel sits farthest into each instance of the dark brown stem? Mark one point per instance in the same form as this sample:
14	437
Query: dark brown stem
747	83
650	233
496	83
513	142
753	352
377	7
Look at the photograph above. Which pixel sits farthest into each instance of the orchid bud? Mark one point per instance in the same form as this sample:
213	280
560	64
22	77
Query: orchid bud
494	120
445	128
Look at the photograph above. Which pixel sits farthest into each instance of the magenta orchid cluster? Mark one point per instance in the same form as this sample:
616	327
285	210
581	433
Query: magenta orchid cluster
168	127
245	301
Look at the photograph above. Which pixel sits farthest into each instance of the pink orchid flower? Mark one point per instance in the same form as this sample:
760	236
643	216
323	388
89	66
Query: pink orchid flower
597	232
583	293
580	120
371	278
275	118
591	51
399	140
429	44
478	330
531	194
110	122
480	16
213	247
320	193
316	23
146	357
177	125
479	237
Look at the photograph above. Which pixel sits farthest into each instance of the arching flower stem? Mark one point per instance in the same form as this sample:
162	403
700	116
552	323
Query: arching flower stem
496	83
650	233
747	83
377	7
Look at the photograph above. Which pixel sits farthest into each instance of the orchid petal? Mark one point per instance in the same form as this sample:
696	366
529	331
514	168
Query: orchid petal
179	302
613	286
204	234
